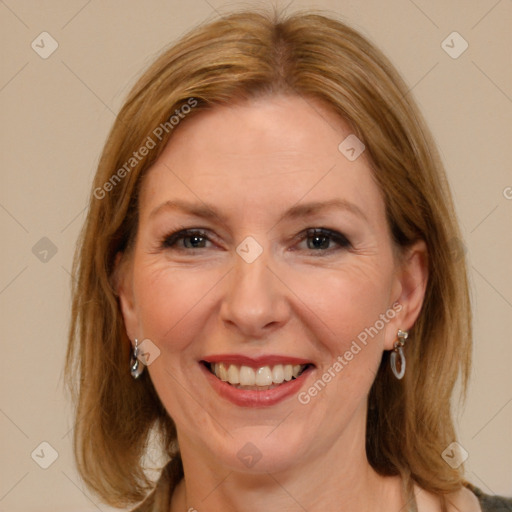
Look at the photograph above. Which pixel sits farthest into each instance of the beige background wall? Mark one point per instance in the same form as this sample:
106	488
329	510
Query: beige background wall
56	113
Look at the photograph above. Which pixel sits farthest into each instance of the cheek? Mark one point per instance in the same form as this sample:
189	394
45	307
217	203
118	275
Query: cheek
350	302
353	311
170	302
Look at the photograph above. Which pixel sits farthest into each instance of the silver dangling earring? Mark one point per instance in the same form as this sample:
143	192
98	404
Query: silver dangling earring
136	367
399	350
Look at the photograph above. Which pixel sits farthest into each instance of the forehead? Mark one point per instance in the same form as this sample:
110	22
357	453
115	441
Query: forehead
265	154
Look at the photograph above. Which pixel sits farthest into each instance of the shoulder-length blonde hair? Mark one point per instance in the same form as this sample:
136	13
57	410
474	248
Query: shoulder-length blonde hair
238	57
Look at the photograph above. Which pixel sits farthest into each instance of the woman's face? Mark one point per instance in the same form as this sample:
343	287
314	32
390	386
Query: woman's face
263	254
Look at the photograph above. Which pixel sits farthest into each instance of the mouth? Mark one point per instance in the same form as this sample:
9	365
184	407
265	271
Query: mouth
256	382
255	378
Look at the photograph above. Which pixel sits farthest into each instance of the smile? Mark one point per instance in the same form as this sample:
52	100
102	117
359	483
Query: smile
256	381
260	378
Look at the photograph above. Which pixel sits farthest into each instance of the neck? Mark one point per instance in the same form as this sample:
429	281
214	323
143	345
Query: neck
341	479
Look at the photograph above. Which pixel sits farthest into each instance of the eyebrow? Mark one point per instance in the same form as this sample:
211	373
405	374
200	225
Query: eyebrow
206	211
303	210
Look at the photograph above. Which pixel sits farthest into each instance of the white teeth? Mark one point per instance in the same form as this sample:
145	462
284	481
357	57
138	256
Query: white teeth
278	373
263	377
247	376
222	372
233	374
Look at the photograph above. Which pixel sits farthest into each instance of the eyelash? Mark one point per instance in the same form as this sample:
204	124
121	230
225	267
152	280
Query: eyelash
171	241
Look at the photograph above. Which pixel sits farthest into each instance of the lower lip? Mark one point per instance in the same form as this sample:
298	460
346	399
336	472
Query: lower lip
252	398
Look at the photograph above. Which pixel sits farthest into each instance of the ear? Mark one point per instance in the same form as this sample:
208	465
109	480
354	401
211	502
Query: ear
123	285
409	290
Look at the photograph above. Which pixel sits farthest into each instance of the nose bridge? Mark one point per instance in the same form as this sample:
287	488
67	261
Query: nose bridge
254	300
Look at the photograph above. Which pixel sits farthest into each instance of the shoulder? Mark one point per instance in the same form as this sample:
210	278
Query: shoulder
463	500
467	499
489	503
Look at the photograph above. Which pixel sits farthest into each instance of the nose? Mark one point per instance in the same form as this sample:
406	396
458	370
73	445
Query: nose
255	300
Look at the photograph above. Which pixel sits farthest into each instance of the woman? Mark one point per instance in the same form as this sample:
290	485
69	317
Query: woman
266	286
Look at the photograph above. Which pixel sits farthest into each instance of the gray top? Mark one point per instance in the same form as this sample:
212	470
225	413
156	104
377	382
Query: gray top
160	499
491	503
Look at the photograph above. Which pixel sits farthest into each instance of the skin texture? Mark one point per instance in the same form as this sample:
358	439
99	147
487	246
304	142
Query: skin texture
252	162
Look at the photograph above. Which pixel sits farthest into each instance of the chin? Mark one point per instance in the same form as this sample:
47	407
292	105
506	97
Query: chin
261	450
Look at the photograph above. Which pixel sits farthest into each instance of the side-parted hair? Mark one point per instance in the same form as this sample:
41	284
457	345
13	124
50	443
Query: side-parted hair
236	58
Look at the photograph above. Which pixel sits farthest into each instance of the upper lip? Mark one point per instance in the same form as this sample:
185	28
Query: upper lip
255	361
